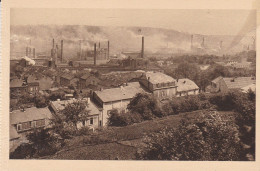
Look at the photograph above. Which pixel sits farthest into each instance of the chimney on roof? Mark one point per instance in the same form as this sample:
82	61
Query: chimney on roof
142	52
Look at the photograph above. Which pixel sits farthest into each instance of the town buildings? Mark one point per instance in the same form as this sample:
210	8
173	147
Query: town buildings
224	84
186	87
25	120
95	114
116	98
159	84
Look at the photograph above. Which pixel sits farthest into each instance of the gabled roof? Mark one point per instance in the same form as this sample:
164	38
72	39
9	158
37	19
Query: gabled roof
239	82
186	84
217	79
158	77
120	93
13	133
30	114
67	76
60	105
85	76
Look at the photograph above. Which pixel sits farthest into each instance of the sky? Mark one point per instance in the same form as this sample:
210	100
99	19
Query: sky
206	22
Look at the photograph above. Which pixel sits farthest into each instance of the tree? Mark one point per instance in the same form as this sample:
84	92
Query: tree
75	112
144	104
41	101
209	137
43	142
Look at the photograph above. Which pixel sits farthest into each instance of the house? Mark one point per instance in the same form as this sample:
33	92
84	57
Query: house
88	79
33	87
161	85
186	87
67	79
224	84
116	98
17	86
30	118
24	121
95	114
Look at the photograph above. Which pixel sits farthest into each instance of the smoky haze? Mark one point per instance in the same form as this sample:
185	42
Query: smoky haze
157	40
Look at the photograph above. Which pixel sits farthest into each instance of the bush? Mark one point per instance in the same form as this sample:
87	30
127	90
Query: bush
123	118
210	137
23	151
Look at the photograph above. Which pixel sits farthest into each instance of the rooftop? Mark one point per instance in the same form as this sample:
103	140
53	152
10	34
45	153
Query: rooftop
186	84
60	105
247	88
239	82
67	76
120	93
158	77
16	83
217	79
30	114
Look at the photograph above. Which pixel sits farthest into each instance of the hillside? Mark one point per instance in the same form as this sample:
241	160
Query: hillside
157	40
118	142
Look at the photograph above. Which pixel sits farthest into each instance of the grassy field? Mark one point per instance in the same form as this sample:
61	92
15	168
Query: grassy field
118	142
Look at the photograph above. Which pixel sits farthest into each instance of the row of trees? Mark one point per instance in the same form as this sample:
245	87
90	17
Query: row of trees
210	137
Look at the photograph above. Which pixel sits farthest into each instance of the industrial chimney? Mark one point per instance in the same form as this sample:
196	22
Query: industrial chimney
61	50
99	45
107	49
95	54
142	52
26	52
33	52
191	41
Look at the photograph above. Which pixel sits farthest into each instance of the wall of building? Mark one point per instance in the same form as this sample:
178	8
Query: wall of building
165	92
107	107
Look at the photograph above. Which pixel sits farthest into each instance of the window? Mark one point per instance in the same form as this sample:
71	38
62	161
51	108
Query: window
33	124
100	123
19	127
91	121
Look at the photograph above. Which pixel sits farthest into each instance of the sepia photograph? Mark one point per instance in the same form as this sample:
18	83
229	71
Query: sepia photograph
132	84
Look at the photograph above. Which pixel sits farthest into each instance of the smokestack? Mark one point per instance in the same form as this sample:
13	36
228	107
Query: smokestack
95	53
33	52
191	42
53	44
61	50
203	41
26	51
107	49
80	49
142	53
99	45
220	45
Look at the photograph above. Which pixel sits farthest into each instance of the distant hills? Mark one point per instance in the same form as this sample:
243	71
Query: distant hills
157	40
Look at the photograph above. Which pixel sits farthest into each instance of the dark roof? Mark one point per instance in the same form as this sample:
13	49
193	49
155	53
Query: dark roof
30	114
67	76
120	93
33	84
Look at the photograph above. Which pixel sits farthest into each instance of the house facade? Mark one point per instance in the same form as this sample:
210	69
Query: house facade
116	98
87	80
161	85
24	121
94	120
186	87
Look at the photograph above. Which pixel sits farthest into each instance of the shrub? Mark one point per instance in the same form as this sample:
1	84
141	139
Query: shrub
23	151
210	137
